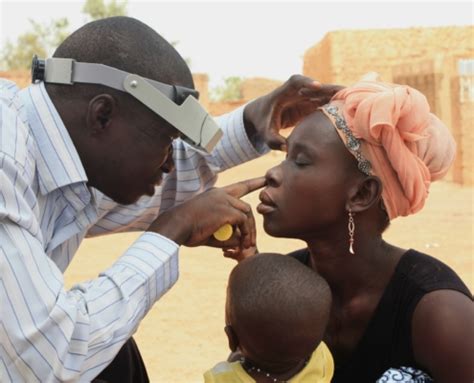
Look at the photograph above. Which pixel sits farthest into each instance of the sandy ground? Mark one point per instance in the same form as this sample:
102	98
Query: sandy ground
182	336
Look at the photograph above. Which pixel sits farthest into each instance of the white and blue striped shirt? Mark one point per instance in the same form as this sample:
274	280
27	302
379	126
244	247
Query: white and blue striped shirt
47	333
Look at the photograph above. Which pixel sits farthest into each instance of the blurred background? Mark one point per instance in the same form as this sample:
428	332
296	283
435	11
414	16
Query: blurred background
238	51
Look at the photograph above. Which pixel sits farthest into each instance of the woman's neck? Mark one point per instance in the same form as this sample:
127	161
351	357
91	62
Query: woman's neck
352	274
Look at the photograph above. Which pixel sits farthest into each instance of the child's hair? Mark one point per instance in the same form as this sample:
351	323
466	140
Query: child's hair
277	307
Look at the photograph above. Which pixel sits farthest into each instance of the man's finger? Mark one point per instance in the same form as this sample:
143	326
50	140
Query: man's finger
232	242
274	140
297	82
242	188
324	90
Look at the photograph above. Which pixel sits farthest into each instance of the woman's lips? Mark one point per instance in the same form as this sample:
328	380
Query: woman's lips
267	205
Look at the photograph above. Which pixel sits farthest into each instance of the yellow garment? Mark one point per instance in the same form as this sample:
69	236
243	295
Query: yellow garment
319	369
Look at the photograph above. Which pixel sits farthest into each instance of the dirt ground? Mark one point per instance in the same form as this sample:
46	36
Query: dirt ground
182	336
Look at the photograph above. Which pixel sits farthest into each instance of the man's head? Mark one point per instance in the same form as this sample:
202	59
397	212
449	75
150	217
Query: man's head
277	310
122	144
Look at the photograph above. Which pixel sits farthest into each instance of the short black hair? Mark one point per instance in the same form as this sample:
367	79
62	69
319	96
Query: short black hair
127	44
280	304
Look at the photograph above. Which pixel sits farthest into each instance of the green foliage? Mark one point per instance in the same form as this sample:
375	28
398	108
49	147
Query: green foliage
42	39
97	9
229	91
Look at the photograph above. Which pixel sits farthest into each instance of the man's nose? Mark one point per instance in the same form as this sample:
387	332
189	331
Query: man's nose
168	165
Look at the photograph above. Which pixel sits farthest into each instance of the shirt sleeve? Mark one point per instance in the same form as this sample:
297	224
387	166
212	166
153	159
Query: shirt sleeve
195	171
48	333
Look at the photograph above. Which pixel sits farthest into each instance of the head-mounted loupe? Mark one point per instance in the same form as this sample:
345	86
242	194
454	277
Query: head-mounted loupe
171	102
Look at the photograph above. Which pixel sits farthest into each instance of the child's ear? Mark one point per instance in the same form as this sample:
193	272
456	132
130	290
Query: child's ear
232	337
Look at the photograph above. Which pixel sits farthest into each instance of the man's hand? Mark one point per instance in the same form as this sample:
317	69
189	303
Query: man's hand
193	222
285	107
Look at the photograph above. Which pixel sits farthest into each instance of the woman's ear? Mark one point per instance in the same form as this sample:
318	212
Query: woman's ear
364	194
232	337
99	112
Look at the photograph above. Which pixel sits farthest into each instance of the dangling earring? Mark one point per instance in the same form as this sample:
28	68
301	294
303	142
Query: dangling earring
351	228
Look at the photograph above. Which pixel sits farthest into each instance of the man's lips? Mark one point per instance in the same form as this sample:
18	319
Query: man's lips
267	205
151	187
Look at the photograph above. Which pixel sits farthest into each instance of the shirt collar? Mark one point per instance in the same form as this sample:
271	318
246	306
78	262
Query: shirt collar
58	162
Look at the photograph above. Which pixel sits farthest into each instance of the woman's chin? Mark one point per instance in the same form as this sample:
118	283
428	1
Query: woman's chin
271	228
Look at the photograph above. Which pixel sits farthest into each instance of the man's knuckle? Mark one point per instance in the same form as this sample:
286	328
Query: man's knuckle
295	79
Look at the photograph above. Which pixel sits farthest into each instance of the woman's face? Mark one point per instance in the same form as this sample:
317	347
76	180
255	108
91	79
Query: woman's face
306	194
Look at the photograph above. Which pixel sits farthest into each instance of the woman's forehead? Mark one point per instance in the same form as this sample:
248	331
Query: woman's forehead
316	128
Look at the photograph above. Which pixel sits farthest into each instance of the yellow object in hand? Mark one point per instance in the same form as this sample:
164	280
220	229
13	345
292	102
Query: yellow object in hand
224	232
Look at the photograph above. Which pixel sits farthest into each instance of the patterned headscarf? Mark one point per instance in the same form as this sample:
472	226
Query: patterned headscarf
393	135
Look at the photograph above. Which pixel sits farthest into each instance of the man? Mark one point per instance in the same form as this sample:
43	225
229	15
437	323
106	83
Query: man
86	159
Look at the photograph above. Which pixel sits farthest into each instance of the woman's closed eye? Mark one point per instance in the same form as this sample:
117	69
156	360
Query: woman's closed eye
299	159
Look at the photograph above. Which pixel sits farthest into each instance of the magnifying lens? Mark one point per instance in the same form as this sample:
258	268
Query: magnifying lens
176	104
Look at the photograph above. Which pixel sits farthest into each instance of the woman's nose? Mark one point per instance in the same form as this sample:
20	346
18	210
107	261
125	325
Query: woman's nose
273	176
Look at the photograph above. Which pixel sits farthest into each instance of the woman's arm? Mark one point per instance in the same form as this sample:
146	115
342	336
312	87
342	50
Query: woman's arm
443	336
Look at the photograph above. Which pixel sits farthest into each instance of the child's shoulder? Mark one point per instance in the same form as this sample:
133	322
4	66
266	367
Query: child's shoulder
320	367
222	367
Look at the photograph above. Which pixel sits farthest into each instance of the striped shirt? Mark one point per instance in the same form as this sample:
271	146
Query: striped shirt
48	333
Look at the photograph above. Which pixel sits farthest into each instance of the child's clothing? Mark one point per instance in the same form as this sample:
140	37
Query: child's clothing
319	369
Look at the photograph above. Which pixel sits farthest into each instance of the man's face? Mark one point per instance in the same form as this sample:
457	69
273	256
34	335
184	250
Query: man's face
136	153
306	193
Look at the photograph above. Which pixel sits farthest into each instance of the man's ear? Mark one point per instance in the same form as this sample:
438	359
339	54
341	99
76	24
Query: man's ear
364	194
100	111
232	337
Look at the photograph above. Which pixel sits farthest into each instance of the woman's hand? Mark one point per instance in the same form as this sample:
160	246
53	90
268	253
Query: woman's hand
238	253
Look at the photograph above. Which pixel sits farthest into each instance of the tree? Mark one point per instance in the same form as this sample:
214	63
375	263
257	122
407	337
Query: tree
40	40
97	9
229	91
43	39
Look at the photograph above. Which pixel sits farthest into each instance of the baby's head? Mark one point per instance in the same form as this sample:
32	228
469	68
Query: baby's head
277	310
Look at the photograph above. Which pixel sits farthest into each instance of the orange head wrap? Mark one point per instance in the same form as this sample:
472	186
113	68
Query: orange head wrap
393	135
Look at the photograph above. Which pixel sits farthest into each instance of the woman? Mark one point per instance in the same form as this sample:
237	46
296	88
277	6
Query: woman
362	160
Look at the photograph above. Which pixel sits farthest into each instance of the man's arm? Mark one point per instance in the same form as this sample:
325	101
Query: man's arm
48	333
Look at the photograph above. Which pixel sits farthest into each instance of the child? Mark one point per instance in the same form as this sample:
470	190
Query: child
276	314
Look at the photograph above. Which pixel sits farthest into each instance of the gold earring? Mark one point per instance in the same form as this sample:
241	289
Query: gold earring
351	228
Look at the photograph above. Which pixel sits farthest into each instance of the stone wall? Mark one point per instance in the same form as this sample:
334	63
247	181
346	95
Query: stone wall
251	88
222	107
344	56
463	128
21	77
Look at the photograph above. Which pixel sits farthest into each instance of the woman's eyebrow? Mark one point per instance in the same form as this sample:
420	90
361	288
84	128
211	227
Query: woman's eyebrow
298	145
